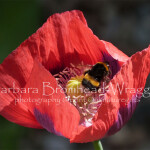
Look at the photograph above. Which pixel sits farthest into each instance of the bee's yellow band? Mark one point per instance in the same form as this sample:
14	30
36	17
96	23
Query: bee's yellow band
107	69
92	81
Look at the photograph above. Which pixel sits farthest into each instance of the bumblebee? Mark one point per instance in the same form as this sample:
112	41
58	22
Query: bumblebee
93	77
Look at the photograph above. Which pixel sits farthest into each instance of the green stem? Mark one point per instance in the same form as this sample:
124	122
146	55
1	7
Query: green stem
98	145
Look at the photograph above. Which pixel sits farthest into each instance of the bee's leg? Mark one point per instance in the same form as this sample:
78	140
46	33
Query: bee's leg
110	73
86	72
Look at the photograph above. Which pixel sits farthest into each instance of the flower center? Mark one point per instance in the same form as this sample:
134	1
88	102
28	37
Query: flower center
83	90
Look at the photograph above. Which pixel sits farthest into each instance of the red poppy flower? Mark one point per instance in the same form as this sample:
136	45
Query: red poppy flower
30	95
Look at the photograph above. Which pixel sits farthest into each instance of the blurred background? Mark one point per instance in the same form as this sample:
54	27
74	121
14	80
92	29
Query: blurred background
125	23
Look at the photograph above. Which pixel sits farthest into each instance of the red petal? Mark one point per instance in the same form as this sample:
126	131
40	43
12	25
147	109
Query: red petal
113	56
50	45
19	114
133	74
85	43
115	52
15	69
56	115
91	50
133	80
